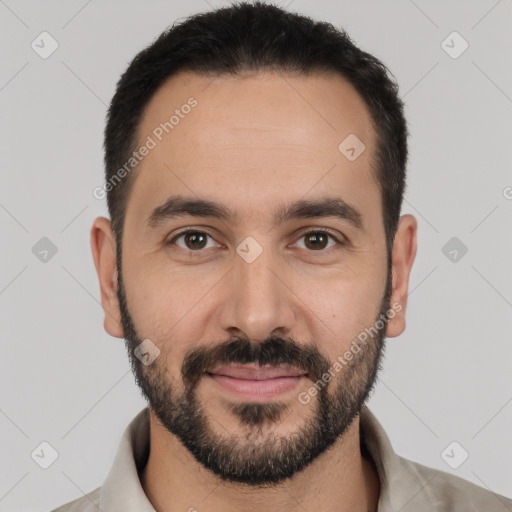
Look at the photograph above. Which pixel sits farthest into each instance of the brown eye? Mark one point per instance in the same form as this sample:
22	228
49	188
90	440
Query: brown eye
193	240
318	240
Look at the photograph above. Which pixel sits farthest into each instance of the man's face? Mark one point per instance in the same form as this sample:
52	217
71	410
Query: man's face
255	290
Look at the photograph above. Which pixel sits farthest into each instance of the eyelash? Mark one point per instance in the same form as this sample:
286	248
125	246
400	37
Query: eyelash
325	231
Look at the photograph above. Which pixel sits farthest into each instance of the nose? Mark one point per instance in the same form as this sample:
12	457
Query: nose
257	301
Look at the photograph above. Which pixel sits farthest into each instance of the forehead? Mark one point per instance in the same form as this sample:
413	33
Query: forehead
254	141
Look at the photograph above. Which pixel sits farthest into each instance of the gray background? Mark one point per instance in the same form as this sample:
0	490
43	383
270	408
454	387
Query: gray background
65	381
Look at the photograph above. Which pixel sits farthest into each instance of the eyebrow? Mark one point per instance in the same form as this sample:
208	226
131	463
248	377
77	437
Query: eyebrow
179	206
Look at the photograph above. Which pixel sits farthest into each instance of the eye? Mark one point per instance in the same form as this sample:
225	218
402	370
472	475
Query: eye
193	239
318	240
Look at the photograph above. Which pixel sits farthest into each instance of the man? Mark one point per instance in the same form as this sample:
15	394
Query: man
254	263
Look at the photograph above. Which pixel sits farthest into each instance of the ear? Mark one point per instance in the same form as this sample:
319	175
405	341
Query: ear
403	254
103	248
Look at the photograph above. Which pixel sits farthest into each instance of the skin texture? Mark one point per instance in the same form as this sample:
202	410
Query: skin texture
255	143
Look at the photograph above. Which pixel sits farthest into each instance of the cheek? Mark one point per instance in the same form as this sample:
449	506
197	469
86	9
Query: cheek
346	307
165	302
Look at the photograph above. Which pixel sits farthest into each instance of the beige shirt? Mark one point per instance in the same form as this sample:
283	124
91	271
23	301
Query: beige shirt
406	486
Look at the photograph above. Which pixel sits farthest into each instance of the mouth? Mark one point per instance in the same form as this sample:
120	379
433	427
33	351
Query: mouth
257	383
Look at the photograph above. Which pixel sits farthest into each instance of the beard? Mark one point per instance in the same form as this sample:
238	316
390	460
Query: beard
255	455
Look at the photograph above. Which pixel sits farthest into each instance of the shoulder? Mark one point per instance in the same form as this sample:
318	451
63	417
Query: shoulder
87	503
450	493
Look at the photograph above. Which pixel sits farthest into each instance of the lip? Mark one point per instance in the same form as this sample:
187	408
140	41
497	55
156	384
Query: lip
247	372
257	383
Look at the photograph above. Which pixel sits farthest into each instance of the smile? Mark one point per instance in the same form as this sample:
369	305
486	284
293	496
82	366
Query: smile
256	383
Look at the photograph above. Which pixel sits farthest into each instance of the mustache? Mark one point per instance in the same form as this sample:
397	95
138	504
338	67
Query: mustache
274	351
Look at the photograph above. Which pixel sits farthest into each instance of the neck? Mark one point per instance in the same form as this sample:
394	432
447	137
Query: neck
340	480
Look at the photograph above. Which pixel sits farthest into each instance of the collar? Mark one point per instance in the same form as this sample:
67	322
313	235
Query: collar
122	491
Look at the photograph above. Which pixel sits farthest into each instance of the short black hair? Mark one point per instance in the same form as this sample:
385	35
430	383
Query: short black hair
252	37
